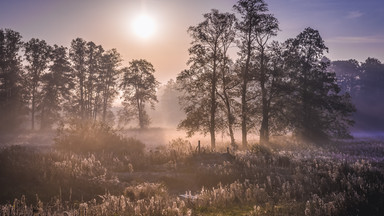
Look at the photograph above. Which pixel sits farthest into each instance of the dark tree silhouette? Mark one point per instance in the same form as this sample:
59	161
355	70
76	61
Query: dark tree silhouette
255	29
108	78
200	82
77	54
12	104
319	110
139	86
228	80
92	86
56	87
37	54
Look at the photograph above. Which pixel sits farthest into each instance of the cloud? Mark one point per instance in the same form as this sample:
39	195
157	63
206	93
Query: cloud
354	14
357	40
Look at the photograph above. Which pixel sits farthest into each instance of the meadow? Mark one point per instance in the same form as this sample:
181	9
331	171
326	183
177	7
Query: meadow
121	176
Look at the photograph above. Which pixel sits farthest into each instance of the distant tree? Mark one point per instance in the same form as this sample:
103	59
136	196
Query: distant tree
169	107
12	102
56	87
319	110
200	82
348	75
139	88
37	54
256	27
372	76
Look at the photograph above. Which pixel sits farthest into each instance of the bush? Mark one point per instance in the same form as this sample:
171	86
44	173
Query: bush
92	136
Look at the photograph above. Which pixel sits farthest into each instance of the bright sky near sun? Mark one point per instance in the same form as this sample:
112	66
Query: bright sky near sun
156	29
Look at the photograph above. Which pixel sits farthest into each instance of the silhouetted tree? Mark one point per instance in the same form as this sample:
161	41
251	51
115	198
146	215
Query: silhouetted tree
56	87
12	103
319	110
37	53
77	54
275	96
255	29
92	88
139	86
108	78
200	81
228	81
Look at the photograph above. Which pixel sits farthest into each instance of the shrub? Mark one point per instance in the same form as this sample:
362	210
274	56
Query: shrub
92	136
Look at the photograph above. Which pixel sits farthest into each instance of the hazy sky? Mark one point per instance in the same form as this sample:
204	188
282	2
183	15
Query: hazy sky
350	28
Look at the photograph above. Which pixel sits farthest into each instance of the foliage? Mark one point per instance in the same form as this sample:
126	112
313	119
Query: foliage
12	94
199	83
56	87
319	110
139	85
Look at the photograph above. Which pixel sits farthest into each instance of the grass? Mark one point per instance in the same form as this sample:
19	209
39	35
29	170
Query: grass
346	178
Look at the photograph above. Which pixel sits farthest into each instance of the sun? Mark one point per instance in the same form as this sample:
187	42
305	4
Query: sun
143	26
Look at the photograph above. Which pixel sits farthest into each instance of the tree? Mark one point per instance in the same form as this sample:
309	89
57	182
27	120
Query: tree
56	87
275	96
200	81
348	75
228	81
37	53
77	54
139	86
12	103
319	110
92	96
108	77
255	29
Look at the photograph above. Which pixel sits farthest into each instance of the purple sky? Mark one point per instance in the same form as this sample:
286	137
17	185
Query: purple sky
350	28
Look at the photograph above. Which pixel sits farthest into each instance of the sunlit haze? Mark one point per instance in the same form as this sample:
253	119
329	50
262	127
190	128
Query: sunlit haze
143	26
350	28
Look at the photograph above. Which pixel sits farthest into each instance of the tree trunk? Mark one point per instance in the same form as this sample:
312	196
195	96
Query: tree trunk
81	95
213	100
33	107
264	130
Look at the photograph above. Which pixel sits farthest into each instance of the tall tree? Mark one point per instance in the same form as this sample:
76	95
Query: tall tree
12	104
77	54
92	95
37	54
268	26
56	87
108	77
228	80
255	29
319	110
139	86
200	81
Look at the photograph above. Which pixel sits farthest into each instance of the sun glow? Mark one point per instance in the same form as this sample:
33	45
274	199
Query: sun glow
143	26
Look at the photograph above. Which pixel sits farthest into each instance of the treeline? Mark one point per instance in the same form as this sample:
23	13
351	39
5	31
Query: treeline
269	88
365	83
47	83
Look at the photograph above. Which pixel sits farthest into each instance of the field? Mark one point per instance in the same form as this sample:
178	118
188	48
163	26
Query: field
344	177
